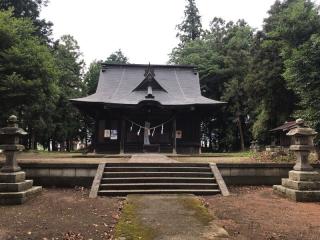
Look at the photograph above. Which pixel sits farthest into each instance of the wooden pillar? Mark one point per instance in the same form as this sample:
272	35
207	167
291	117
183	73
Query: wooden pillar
122	136
96	133
174	140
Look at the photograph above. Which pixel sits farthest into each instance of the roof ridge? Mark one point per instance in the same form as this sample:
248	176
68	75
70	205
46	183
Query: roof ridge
146	65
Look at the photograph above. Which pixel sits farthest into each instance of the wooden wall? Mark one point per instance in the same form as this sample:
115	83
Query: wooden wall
187	122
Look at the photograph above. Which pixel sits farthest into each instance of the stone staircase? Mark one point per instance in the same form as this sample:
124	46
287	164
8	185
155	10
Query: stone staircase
120	179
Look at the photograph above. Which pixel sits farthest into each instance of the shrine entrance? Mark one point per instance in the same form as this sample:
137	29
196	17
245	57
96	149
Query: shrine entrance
149	130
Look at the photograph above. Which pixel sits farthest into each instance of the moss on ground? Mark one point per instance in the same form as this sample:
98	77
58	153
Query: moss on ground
201	213
130	227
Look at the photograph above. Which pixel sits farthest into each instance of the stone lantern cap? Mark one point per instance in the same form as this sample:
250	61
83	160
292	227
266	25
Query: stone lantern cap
302	131
302	137
11	134
12	129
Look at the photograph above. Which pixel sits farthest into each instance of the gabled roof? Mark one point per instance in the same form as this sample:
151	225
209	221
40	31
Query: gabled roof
285	127
124	84
149	80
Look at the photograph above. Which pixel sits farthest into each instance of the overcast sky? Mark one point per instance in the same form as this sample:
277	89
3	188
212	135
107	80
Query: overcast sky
143	29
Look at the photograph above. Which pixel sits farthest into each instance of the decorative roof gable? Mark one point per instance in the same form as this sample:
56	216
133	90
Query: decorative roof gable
149	83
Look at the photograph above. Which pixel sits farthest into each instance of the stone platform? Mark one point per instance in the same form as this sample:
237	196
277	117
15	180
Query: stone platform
15	189
151	158
301	186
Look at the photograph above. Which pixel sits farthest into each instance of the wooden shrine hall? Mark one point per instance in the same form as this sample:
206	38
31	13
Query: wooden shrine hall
147	108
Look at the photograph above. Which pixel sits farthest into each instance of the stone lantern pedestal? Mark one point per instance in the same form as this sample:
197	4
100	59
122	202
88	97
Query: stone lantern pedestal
14	188
303	184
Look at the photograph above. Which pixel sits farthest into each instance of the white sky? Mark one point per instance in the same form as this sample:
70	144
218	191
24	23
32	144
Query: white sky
143	29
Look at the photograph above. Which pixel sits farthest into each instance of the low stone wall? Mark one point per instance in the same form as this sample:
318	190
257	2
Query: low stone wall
61	175
256	173
71	175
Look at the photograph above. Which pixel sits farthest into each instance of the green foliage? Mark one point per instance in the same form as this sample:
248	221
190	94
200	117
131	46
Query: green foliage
117	57
30	9
91	77
266	78
266	88
69	123
28	74
37	81
190	28
292	22
303	76
289	25
222	56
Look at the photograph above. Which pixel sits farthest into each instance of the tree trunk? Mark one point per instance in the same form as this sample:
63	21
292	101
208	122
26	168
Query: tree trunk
29	142
49	148
68	147
54	145
241	133
33	141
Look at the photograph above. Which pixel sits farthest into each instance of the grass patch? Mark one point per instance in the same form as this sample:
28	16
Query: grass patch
130	227
201	213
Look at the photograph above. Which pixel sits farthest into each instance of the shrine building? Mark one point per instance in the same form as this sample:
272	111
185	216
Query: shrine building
147	108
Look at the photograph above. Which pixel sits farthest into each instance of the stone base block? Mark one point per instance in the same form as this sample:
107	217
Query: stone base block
297	195
308	176
14	177
12	198
300	185
16	187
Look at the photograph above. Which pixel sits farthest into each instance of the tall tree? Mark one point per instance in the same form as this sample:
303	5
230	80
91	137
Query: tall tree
28	74
303	76
30	9
290	23
117	57
191	27
67	119
222	56
91	77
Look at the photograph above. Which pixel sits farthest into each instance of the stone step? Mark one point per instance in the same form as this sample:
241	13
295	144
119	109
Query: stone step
11	198
16	187
157	165
157	169
159	180
159	191
154	186
14	177
157	174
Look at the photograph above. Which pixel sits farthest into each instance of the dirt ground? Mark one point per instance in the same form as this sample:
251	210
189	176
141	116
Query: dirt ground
60	214
256	213
68	214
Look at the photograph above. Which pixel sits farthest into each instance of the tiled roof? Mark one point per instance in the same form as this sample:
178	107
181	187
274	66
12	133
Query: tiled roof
117	83
285	127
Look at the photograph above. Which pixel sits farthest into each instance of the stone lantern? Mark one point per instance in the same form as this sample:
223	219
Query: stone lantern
303	184
11	136
302	144
14	189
